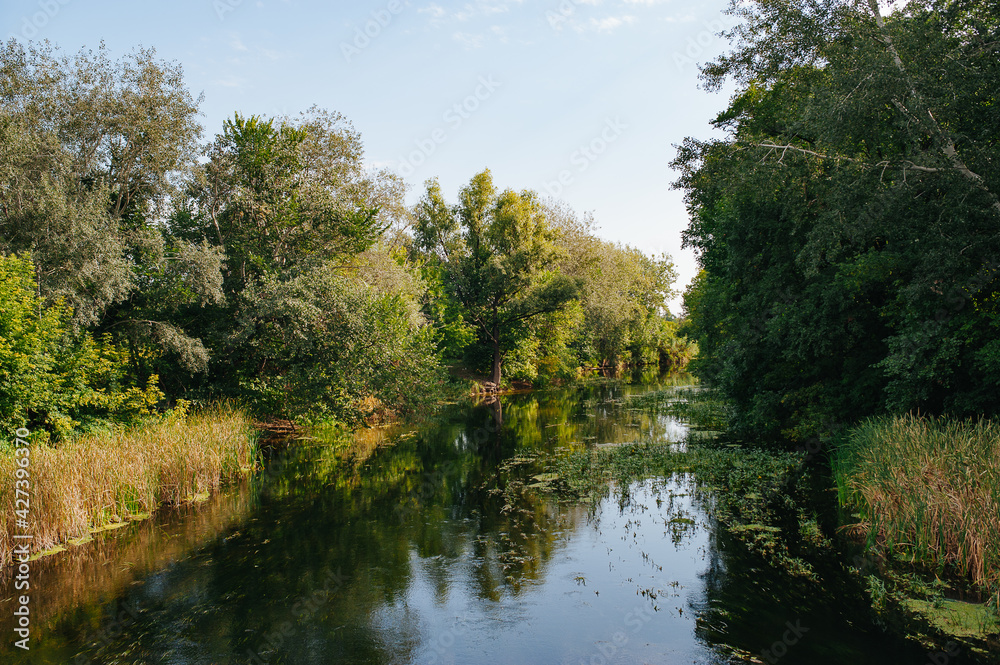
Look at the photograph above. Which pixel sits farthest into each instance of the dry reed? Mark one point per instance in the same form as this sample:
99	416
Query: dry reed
125	473
928	489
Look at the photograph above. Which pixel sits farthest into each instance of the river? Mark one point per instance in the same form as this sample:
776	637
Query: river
393	547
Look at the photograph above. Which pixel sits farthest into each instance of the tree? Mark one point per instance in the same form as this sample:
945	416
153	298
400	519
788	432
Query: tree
335	343
848	224
89	152
319	320
52	378
282	196
623	293
500	258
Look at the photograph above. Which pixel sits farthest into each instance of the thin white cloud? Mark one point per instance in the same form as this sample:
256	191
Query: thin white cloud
231	82
469	40
435	10
469	11
607	24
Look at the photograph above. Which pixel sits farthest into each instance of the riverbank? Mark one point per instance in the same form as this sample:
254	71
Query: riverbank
927	490
105	480
922	495
346	524
466	382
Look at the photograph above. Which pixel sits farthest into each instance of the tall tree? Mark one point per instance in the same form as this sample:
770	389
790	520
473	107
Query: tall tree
281	195
623	292
500	258
90	150
319	320
848	224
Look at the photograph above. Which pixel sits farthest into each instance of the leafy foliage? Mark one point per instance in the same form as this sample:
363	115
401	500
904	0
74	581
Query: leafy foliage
499	260
327	344
847	225
273	266
182	269
623	296
90	150
52	379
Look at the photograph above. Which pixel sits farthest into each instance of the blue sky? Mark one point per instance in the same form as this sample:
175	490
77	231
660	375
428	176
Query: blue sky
581	99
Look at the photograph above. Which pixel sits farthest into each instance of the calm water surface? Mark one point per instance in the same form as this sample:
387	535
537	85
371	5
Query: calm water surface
390	548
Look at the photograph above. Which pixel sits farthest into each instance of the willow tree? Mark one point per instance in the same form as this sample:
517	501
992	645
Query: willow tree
499	257
90	151
318	319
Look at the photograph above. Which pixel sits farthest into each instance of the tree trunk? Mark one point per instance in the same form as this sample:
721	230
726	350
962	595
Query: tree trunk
497	409
495	375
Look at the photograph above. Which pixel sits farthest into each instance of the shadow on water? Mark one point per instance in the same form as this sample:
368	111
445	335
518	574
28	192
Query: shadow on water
389	547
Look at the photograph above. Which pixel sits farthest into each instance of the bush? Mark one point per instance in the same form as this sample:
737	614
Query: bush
329	345
51	378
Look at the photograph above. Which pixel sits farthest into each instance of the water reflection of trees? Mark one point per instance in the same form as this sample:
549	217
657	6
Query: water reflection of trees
369	515
748	604
375	515
598	414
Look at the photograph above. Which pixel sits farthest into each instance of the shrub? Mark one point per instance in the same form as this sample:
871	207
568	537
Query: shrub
52	378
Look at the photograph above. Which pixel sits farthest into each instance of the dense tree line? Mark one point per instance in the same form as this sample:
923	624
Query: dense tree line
141	263
535	291
847	225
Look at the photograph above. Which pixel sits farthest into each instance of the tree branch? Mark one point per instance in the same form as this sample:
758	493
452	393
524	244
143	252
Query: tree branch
947	145
906	164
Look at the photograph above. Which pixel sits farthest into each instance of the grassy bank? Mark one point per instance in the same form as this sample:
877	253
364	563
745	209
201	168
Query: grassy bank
928	491
123	474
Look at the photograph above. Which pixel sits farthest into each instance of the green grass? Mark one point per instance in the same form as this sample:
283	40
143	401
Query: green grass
927	491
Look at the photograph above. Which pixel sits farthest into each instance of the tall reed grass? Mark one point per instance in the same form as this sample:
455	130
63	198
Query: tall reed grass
928	488
111	476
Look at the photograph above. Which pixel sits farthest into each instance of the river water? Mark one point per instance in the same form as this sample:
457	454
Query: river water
389	547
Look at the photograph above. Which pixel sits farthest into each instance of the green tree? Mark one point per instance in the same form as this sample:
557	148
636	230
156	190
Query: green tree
52	378
282	196
623	294
332	344
500	259
319	319
847	225
89	152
